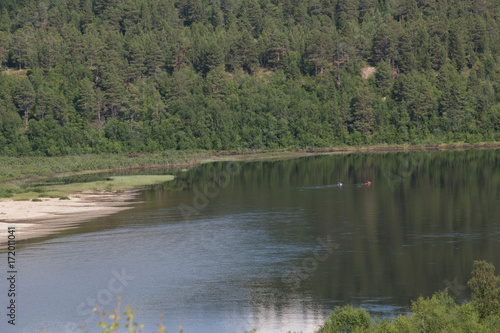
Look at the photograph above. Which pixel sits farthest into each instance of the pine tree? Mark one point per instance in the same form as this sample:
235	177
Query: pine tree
246	53
192	11
155	58
456	50
319	50
383	77
347	12
24	98
406	60
24	47
215	82
362	110
136	58
51	48
87	100
4	47
272	44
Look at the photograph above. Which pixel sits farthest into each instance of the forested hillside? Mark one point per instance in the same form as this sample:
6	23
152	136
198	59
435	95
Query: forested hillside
84	76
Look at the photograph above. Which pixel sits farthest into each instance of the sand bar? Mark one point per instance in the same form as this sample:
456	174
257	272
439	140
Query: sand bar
40	218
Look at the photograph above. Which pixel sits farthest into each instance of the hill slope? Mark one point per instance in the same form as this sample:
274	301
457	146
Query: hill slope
147	75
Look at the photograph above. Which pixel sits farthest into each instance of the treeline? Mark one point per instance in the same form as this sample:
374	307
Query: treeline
93	76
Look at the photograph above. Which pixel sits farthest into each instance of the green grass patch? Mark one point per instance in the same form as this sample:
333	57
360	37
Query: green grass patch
35	166
21	199
38	189
36	200
117	183
45	195
4	194
24	195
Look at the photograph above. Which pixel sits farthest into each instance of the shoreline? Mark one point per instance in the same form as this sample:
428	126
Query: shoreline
34	219
38	219
195	158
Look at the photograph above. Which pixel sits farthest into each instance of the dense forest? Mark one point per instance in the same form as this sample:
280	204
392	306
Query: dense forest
92	76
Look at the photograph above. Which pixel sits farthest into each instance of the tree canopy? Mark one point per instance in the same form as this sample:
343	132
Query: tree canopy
81	76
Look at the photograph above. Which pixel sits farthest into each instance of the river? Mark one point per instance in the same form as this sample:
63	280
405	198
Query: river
275	245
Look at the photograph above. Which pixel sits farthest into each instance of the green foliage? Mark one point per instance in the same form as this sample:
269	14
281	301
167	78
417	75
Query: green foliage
145	76
485	287
12	168
6	193
436	314
346	319
439	313
45	195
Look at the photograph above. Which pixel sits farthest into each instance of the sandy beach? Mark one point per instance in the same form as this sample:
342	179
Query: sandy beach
40	218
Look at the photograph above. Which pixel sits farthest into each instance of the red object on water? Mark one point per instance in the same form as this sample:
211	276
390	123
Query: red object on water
368	183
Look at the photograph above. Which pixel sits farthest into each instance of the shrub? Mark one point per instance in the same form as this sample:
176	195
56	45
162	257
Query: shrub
6	193
39	189
437	314
346	319
485	287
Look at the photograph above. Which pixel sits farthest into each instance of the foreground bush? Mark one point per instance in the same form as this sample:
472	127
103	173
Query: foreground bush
346	319
439	313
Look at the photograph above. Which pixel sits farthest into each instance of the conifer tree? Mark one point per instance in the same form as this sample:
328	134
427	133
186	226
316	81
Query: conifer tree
24	98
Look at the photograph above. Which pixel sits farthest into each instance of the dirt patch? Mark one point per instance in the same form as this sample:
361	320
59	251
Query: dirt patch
368	71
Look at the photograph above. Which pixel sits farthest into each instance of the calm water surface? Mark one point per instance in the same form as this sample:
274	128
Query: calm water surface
274	245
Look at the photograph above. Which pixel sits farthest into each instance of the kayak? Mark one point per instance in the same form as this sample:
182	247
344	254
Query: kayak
368	183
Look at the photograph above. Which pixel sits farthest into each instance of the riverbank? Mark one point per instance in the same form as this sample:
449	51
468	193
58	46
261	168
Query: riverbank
61	207
31	167
46	216
39	211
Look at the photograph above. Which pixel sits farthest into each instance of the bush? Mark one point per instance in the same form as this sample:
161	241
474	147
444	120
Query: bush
485	287
346	319
6	193
439	313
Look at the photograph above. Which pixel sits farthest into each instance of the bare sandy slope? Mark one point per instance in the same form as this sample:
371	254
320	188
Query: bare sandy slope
36	219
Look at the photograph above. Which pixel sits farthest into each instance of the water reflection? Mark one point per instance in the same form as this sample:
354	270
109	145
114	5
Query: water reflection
250	254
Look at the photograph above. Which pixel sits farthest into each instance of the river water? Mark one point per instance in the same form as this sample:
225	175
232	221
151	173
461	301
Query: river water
275	245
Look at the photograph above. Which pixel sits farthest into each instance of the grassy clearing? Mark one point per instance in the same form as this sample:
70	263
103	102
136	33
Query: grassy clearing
21	168
117	183
112	184
16	172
